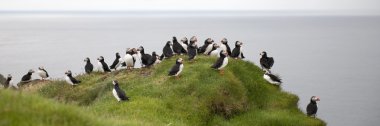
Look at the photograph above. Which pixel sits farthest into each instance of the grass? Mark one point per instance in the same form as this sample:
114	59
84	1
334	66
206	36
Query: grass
200	97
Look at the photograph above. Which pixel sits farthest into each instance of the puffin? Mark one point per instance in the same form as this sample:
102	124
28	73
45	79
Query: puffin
144	57
177	68
185	44
137	56
221	62
27	77
117	62
237	51
265	61
177	47
312	108
209	47
102	66
129	59
155	59
224	46
214	51
9	83
43	73
70	79
167	50
271	78
203	48
192	48
88	67
118	93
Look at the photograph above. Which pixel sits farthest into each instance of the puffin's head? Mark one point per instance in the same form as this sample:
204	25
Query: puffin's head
117	54
209	40
134	50
224	41
41	68
263	53
68	72
169	43
179	60
193	39
223	53
31	71
154	53
238	43
215	45
101	58
86	59
184	39
9	76
140	48
174	38
314	98
114	82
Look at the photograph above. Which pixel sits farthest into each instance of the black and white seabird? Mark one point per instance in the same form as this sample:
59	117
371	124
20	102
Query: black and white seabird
102	66
154	60
209	46
312	108
237	52
271	78
118	93
70	79
27	77
203	48
221	62
185	44
9	83
43	73
224	46
117	62
88	68
177	47
168	50
177	68
192	48
129	58
214	51
145	58
265	61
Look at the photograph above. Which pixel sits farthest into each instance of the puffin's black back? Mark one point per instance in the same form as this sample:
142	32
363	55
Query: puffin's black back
167	51
27	77
235	52
47	74
105	66
177	48
120	93
219	62
88	67
266	62
145	57
204	47
75	81
312	108
115	62
192	50
174	69
7	82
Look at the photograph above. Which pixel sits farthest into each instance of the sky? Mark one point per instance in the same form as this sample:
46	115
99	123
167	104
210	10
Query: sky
350	6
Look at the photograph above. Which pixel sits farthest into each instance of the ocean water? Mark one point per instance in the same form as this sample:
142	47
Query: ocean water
334	57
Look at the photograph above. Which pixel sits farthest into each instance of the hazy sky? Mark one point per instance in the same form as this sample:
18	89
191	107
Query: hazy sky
372	6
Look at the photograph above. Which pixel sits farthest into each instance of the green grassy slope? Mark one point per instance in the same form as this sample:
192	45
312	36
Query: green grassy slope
200	97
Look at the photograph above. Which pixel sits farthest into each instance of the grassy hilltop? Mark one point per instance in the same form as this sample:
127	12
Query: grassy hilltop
200	97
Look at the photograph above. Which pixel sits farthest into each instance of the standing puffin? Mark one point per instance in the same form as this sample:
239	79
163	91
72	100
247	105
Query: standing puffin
155	59
192	48
102	66
177	47
221	62
144	57
184	43
224	46
137	56
70	79
117	62
9	83
118	93
209	46
271	78
168	50
214	51
43	73
88	67
129	59
237	51
265	61
177	68
207	42
27	77
312	108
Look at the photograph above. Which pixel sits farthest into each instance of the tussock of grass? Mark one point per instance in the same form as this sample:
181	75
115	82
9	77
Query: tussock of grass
200	97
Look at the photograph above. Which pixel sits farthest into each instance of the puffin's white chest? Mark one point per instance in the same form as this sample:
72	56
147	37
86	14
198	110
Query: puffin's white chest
267	77
100	67
129	60
180	70
215	53
115	95
208	49
224	64
223	47
68	80
184	46
42	73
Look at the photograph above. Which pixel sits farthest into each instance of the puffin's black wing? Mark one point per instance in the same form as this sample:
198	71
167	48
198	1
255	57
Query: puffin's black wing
115	62
152	60
47	75
167	51
105	67
177	48
228	50
121	94
270	62
174	70
75	81
88	68
145	58
26	77
235	52
192	52
274	78
218	63
311	109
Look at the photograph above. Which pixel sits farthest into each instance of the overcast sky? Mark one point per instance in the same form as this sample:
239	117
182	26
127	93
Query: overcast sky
372	6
